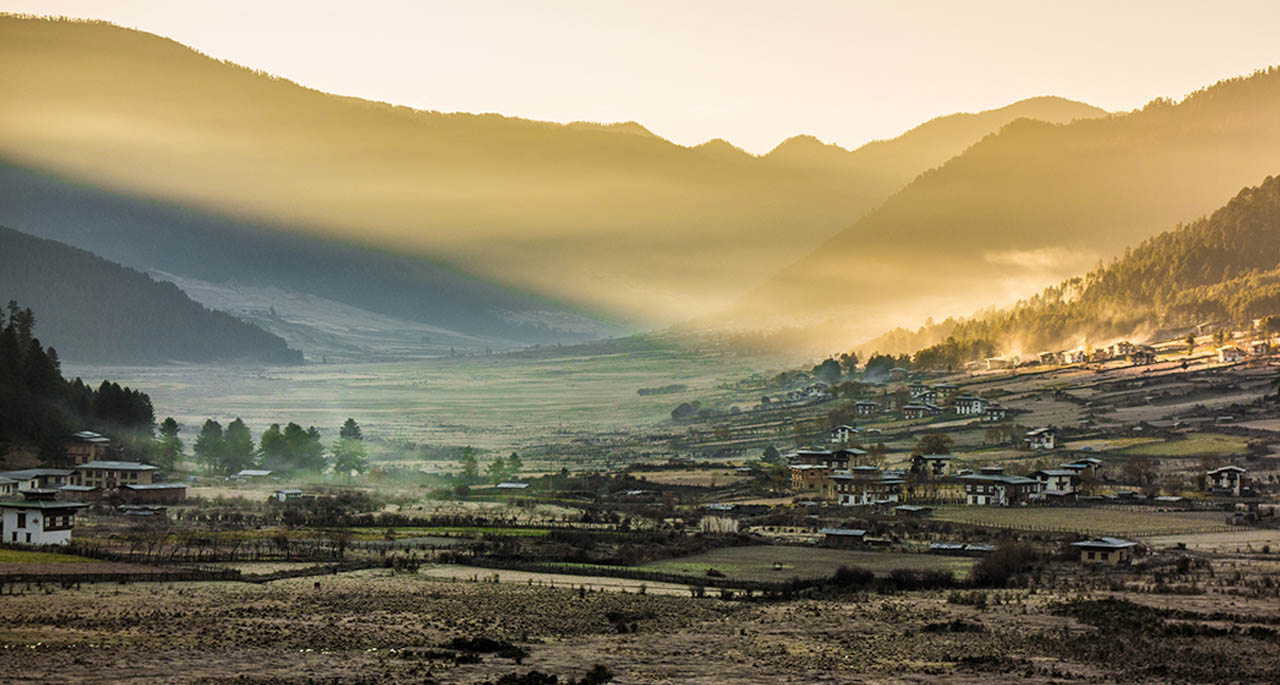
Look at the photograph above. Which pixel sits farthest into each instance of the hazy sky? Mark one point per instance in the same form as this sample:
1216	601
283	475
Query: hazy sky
751	72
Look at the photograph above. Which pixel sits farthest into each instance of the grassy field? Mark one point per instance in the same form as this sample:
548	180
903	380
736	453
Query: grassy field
1087	521
697	477
1195	446
757	563
499	403
20	556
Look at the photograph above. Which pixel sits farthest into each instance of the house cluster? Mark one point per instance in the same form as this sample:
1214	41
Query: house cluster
929	400
842	477
1136	354
39	504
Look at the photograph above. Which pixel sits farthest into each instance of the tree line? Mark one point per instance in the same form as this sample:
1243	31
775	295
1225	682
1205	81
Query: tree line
291	449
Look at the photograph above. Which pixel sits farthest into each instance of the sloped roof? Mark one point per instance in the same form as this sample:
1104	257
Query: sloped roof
118	466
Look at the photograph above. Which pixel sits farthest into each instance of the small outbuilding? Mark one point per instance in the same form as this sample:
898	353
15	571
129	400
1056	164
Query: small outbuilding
1105	550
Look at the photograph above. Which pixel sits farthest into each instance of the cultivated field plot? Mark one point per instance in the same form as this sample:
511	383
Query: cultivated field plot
757	563
696	477
1086	520
1239	540
1195	446
19	556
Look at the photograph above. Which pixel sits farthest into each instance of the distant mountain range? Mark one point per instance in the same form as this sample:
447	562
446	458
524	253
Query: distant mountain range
94	310
1032	204
483	219
1223	270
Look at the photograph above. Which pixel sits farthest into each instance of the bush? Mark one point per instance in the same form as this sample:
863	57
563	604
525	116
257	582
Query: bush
997	568
852	577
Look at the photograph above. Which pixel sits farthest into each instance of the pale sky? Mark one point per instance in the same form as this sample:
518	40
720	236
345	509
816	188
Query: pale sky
754	73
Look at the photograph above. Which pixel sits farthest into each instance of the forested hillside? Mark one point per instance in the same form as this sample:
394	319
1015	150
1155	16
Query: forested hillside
1222	269
38	407
94	310
1031	205
610	217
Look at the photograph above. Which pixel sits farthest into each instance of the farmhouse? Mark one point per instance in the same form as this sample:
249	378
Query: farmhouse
1105	551
809	478
1065	481
865	407
1260	349
1227	480
843	537
112	474
999	489
153	493
917	389
920	410
1076	356
37	519
994	413
945	390
842	433
865	485
1143	356
1040	439
969	405
87	446
1123	348
8	487
247	475
1048	358
79	493
931	465
845	457
1230	354
38	479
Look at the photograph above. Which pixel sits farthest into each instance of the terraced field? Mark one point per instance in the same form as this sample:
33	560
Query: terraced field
1087	520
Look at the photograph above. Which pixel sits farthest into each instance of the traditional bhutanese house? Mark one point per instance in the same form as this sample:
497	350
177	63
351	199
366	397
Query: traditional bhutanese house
1040	439
994	413
917	388
1230	353
1260	349
1076	356
112	474
866	408
38	479
153	493
79	493
1227	480
842	537
945	390
37	519
865	485
87	446
842	433
969	405
1060	480
8	487
287	494
1105	551
846	457
931	465
912	510
1142	357
1101	354
897	373
809	478
1123	348
1048	358
1002	490
920	410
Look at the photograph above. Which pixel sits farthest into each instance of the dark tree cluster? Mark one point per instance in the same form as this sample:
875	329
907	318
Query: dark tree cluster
39	407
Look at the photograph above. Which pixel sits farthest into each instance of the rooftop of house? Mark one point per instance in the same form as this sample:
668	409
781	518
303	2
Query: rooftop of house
251	473
806	467
998	478
513	486
852	451
812	452
936	457
40	504
1222	469
1104	543
1056	472
844	532
155	486
77	488
1039	431
117	466
27	474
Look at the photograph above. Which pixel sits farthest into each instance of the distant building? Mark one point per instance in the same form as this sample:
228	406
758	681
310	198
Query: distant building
932	465
112	474
1048	358
917	389
843	537
994	413
998	489
969	405
38	479
920	410
86	446
865	485
247	475
1105	550
1142	357
37	519
153	493
865	407
1229	354
1123	348
1260	349
998	363
1227	480
512	485
1058	481
1040	439
842	434
1077	356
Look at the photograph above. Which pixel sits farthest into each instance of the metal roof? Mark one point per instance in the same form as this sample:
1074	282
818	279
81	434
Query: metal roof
843	532
40	504
118	466
27	474
1105	543
154	486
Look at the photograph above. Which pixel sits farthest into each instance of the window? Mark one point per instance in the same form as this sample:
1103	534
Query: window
28	537
22	520
1091	556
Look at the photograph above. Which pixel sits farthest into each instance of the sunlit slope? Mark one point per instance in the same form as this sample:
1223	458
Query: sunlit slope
1224	269
607	216
1028	206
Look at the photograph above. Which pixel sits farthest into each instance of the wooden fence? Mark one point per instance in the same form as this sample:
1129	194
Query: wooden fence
784	588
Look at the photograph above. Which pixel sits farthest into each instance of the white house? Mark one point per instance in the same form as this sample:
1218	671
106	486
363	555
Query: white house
1230	354
37	519
1040	439
969	405
1227	480
39	479
842	433
865	408
1064	481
